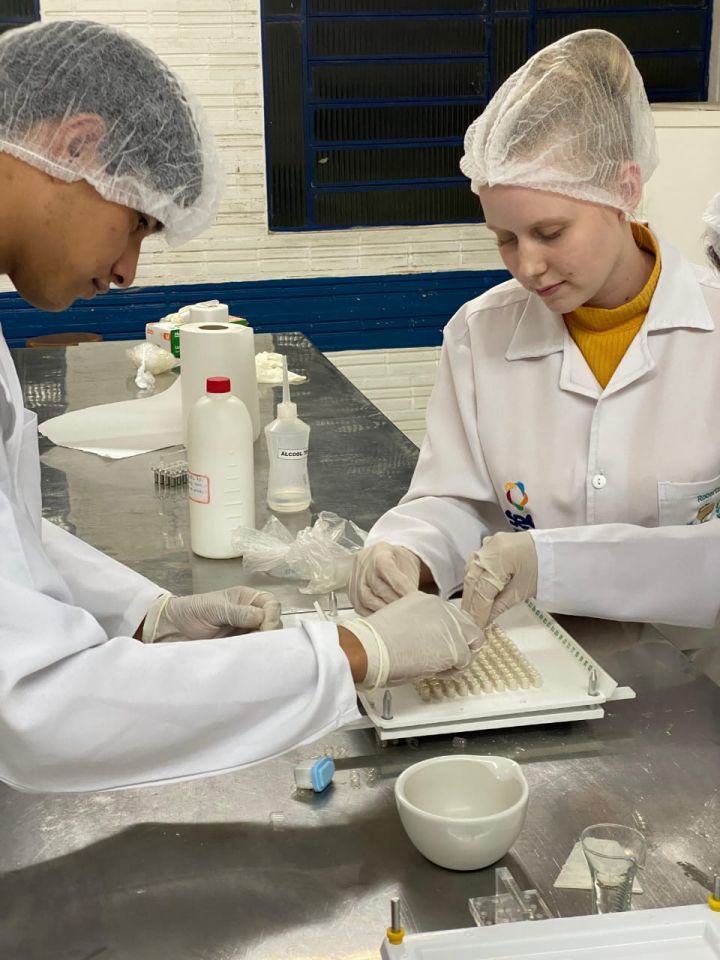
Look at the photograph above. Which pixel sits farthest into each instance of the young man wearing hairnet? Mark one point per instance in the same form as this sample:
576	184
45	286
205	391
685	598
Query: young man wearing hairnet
100	146
575	404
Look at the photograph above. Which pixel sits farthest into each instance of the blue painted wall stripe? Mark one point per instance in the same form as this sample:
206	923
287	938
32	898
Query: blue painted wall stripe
336	313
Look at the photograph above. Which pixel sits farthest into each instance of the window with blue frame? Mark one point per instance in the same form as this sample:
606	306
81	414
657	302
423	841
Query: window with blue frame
367	101
17	13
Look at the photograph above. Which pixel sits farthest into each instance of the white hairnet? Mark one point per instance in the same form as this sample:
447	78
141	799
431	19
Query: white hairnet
568	121
711	218
155	153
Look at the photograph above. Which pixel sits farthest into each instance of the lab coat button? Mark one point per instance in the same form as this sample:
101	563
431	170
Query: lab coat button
599	481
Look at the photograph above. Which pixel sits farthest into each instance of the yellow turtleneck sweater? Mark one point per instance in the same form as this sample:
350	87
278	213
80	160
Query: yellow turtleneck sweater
603	336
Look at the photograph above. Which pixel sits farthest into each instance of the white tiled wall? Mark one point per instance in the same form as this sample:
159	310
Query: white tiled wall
397	381
215	46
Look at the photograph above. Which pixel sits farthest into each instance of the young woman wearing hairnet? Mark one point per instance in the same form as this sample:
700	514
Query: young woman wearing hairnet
100	146
574	405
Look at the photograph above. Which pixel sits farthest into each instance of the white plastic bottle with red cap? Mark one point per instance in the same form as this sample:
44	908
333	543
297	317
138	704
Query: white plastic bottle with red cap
221	476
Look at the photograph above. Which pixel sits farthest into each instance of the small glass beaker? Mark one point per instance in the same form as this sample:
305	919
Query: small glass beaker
614	854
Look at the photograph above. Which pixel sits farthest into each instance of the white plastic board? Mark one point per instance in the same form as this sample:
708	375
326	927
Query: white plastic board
564	694
674	933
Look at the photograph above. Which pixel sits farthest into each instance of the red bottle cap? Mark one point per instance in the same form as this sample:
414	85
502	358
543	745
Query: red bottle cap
218	385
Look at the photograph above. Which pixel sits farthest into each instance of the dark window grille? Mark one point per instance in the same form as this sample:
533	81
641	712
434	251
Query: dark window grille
367	101
18	13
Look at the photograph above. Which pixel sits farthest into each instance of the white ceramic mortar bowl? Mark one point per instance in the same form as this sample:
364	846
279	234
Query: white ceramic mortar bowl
462	812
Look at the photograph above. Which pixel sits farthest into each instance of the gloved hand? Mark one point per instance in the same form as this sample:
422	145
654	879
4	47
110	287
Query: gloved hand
417	636
382	574
499	575
203	616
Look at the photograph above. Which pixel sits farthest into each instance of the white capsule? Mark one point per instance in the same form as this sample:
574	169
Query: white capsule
423	688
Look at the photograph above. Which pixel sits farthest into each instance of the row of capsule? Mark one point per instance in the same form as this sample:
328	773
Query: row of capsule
497	666
500	658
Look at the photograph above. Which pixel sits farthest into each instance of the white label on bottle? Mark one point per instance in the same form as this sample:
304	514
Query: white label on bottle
198	487
285	454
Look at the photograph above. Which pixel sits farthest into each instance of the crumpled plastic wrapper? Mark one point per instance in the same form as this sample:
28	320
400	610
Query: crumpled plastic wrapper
321	554
150	360
182	316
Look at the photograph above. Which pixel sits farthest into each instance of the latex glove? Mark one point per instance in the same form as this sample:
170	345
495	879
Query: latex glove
382	574
499	575
203	616
417	636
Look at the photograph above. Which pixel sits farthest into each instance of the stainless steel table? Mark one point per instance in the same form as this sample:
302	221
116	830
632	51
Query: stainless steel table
241	866
360	463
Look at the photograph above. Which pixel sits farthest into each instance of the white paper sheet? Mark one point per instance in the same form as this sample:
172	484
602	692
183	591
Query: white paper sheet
123	429
575	874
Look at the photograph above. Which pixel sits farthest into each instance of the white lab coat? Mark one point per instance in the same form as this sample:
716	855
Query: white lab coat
521	436
83	706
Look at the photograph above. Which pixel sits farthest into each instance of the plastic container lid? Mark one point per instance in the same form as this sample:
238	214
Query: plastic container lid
217	384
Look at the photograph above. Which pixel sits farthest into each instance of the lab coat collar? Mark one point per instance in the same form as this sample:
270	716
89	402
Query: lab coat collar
677	302
539	332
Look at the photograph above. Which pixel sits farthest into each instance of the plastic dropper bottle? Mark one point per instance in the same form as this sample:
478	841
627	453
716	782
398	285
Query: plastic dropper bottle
287	440
221	477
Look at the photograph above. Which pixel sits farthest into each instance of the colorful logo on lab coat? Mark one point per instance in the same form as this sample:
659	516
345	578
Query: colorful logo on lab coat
518	500
516	496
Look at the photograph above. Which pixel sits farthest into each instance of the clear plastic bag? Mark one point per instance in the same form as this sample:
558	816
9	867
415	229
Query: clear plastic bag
321	554
150	360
